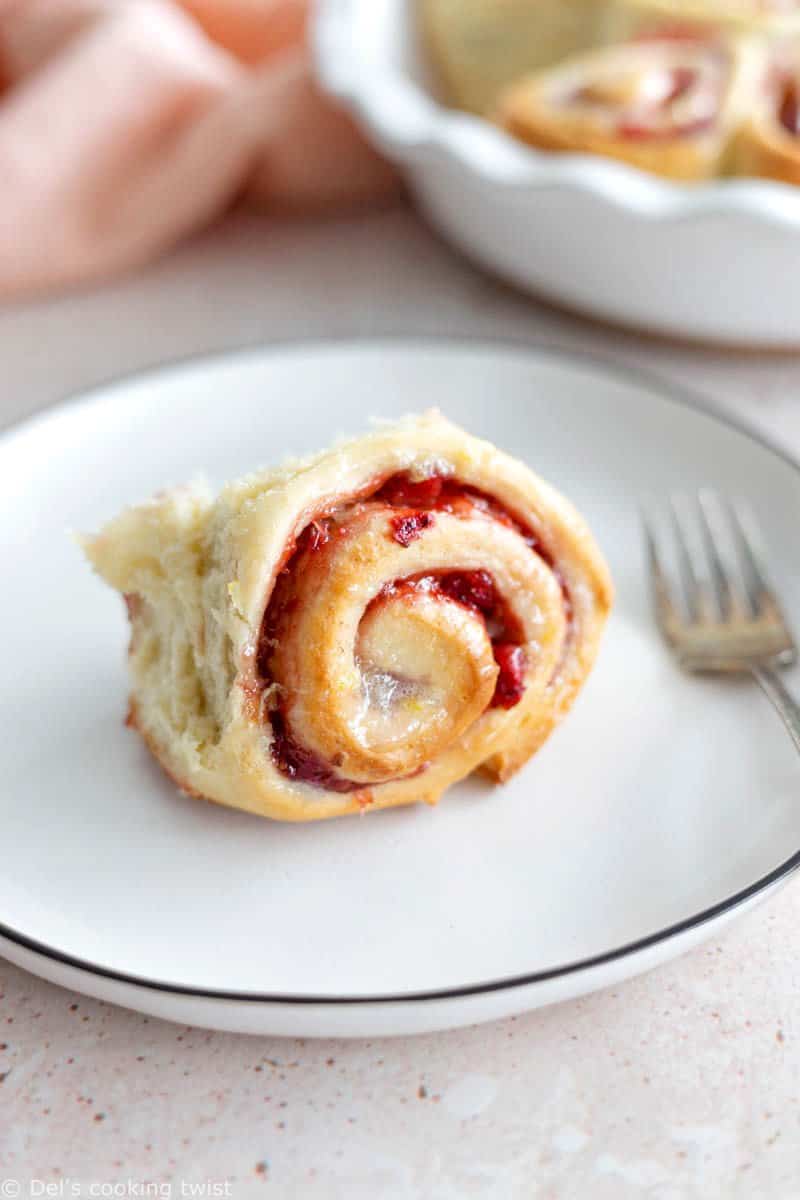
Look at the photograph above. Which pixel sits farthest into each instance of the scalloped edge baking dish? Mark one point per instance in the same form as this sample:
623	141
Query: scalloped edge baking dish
708	262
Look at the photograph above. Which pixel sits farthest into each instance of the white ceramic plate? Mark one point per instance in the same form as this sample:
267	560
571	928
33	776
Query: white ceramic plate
662	807
703	262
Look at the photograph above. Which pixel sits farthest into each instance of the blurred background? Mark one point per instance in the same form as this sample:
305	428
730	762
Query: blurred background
175	182
188	177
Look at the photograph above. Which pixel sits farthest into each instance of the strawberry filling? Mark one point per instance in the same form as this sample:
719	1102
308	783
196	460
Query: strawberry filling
789	109
475	589
406	530
649	123
297	762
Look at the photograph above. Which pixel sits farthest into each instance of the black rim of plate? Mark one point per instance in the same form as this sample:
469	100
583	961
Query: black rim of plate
649	381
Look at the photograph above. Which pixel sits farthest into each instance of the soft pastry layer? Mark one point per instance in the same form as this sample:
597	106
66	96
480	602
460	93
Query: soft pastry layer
359	629
624	19
768	142
668	105
479	46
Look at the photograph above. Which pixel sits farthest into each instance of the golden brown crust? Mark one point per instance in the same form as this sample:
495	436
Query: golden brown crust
602	103
767	154
688	162
767	144
132	722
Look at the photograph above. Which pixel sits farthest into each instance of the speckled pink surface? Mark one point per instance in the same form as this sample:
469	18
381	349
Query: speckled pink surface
684	1083
681	1085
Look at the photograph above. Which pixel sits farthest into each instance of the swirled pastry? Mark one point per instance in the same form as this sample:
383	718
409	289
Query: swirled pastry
768	141
626	19
357	630
479	46
667	105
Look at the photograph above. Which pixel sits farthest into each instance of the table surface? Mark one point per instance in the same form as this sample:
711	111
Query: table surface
684	1083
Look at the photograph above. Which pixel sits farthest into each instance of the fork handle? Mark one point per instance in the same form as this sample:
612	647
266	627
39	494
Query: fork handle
784	703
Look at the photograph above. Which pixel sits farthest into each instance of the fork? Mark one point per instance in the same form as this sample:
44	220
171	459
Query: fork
722	616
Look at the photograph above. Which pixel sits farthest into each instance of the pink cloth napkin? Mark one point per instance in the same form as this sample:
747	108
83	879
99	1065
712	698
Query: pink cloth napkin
126	124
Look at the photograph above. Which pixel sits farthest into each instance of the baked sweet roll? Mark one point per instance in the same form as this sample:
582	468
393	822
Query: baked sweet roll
357	630
668	105
479	46
768	141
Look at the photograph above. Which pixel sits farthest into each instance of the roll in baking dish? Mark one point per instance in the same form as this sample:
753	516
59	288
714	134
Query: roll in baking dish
666	105
359	629
768	141
479	46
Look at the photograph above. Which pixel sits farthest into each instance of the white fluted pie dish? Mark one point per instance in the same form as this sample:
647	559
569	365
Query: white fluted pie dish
712	262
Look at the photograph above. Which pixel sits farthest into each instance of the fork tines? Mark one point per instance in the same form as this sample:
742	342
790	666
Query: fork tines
718	588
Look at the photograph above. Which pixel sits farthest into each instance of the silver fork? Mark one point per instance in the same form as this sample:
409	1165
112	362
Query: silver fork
723	615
